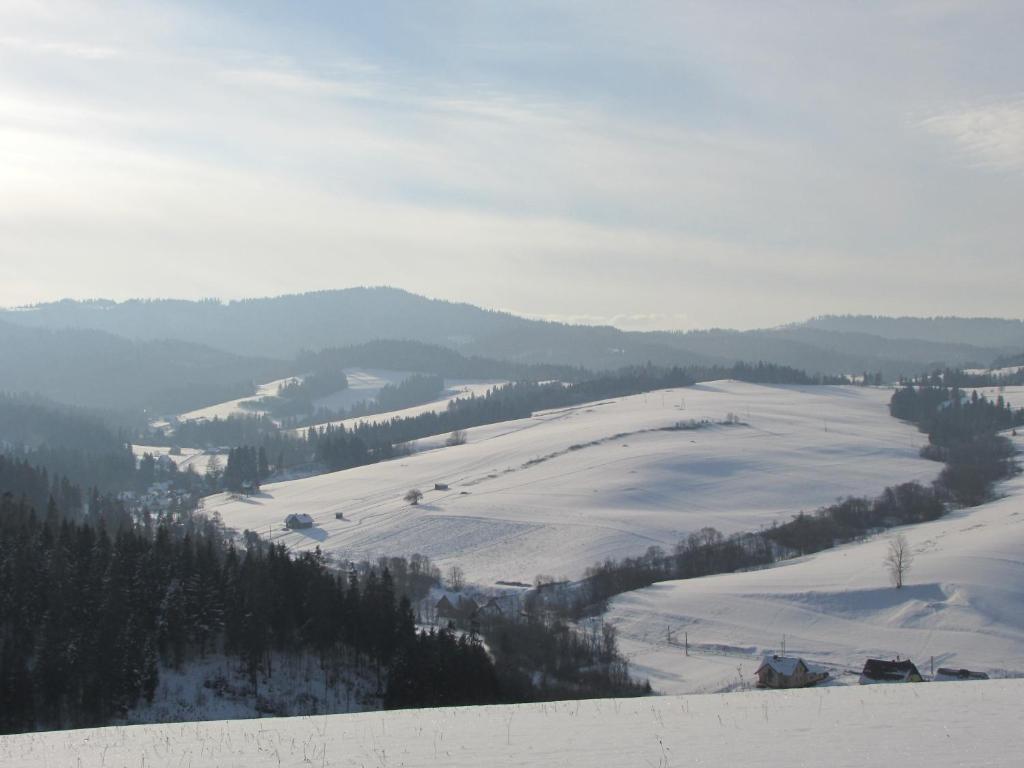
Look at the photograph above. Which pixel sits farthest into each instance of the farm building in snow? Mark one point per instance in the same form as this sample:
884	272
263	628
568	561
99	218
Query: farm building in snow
945	673
466	611
490	610
787	672
445	609
298	520
882	671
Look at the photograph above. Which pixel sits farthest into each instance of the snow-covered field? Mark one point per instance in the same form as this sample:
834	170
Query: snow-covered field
453	390
929	725
190	458
234	407
554	493
963	604
363	385
1013	395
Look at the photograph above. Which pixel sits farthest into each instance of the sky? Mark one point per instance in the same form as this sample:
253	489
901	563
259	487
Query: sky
647	164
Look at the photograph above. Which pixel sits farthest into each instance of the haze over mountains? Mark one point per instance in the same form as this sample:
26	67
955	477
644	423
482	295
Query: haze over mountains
78	351
103	370
283	327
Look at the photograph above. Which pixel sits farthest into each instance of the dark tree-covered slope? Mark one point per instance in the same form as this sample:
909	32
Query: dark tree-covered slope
97	369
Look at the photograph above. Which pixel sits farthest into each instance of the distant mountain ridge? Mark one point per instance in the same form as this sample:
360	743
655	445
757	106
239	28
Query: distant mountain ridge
280	326
286	326
976	331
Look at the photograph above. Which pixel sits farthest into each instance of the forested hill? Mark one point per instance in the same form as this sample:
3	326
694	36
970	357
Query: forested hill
96	607
976	331
100	370
66	442
399	354
285	326
281	326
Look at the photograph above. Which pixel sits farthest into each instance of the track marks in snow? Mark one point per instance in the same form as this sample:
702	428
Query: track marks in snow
632	481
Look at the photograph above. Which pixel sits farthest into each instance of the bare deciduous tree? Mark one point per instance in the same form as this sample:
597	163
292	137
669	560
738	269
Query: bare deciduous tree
898	559
456	578
413	496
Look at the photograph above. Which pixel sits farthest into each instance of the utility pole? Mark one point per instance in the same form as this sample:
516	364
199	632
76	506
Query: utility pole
686	643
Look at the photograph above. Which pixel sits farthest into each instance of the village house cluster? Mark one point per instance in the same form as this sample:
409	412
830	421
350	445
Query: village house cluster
793	672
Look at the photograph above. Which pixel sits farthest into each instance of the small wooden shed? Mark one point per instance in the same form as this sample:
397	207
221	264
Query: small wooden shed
945	674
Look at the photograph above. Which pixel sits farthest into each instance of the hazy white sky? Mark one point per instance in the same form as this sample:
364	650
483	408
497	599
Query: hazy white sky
651	164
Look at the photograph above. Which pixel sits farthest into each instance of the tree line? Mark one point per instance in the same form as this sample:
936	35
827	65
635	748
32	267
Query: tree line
953	377
962	432
404	355
763	373
340	448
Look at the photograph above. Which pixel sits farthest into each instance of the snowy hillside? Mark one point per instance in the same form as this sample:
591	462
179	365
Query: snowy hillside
232	407
363	386
929	725
963	604
554	493
453	390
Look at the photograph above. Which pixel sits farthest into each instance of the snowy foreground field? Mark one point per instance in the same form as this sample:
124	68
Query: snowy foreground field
927	725
554	493
963	604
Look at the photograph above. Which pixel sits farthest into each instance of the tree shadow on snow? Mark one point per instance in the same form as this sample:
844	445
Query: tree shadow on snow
317	534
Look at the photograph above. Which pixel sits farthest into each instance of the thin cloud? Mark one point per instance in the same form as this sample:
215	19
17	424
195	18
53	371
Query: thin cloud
987	136
739	168
351	78
69	49
641	321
